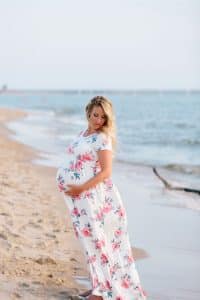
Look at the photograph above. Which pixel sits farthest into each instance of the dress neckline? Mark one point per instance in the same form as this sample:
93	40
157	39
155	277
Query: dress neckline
85	136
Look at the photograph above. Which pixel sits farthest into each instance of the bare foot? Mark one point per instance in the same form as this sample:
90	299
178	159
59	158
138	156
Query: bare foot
86	293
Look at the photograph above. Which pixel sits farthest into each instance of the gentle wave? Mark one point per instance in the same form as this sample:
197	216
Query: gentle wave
191	141
65	111
187	169
181	168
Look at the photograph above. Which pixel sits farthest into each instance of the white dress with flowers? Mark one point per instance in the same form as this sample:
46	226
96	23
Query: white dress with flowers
100	222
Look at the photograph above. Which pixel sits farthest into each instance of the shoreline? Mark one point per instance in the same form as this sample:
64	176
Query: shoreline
35	226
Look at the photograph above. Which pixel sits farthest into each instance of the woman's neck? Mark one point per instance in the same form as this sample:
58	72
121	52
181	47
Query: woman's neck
90	131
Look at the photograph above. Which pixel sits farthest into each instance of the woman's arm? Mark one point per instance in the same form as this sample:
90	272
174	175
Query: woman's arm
105	160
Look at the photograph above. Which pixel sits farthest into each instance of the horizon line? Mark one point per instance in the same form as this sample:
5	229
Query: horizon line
5	90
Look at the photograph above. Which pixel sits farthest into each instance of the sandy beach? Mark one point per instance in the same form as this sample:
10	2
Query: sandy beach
39	253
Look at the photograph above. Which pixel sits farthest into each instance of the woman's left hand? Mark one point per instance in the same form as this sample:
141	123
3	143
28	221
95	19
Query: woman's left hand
74	190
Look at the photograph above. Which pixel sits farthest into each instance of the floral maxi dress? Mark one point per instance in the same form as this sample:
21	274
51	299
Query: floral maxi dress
100	222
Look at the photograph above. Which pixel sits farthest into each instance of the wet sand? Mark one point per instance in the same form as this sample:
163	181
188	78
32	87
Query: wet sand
39	253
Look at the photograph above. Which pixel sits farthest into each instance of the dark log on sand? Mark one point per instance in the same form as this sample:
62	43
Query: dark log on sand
176	188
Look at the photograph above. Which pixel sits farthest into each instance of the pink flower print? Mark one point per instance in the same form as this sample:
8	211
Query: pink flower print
91	259
75	212
99	216
125	283
114	269
107	208
99	244
61	187
115	245
108	285
95	282
118	232
70	150
88	194
86	157
121	211
119	298
71	166
78	165
104	259
86	231
130	258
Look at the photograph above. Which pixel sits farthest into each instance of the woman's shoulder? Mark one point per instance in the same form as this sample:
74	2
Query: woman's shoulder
103	141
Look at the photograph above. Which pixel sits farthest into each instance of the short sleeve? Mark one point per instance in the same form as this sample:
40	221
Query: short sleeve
103	142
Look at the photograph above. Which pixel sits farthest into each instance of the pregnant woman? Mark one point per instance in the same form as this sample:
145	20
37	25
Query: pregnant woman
97	211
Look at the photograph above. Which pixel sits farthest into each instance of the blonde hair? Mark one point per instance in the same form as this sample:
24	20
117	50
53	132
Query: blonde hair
108	127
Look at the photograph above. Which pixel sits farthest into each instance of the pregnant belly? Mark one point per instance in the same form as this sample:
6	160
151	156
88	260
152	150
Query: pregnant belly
64	177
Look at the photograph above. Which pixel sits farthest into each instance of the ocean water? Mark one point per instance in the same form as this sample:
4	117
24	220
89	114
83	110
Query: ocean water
154	129
160	129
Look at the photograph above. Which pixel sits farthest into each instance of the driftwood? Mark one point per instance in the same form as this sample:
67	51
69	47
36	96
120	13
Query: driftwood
176	188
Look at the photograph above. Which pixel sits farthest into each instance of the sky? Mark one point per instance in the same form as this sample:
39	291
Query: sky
107	44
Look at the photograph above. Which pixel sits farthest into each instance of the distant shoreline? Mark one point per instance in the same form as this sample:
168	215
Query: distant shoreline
99	91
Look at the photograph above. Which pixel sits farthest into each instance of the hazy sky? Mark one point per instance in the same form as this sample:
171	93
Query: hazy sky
124	44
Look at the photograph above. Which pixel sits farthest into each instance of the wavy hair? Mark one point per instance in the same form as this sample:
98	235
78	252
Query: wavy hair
109	127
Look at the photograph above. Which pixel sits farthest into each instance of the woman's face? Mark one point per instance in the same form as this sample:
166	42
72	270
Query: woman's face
97	118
